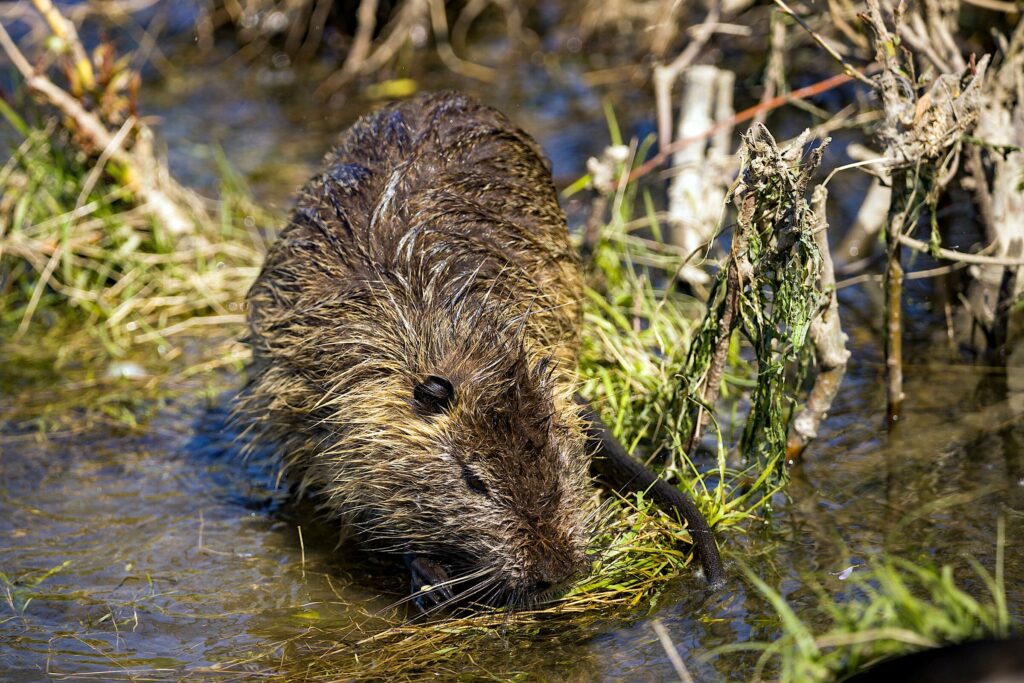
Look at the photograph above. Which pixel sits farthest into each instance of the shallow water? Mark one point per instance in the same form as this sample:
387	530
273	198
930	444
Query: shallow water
153	553
171	555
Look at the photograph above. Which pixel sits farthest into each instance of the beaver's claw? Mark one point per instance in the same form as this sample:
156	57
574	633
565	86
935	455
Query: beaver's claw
428	583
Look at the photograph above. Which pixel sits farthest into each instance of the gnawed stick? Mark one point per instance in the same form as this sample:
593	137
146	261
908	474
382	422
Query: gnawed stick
829	343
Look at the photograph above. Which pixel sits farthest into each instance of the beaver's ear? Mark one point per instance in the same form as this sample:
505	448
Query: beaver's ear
434	393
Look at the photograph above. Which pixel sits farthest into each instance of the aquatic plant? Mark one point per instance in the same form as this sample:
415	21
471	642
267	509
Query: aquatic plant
768	287
890	607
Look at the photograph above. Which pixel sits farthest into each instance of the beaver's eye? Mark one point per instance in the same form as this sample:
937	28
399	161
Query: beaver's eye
475	483
434	393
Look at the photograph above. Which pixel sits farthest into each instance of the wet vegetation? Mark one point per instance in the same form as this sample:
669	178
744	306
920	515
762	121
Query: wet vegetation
863	476
894	607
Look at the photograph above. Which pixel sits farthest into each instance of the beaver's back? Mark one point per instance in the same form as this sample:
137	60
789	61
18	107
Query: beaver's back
438	192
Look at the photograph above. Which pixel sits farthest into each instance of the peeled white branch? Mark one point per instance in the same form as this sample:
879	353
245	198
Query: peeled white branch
700	174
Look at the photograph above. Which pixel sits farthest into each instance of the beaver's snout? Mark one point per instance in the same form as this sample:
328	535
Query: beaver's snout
556	568
559	580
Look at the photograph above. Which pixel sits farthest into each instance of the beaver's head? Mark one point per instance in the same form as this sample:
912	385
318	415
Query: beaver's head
507	508
472	464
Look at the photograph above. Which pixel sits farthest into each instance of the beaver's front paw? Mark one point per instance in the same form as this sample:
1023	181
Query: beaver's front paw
428	583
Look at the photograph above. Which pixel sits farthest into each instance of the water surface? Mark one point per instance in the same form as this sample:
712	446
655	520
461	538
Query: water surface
153	553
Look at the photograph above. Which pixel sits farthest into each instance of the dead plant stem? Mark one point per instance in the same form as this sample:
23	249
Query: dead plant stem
829	340
899	212
723	335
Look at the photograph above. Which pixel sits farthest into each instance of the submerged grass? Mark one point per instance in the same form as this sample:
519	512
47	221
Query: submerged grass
891	608
638	556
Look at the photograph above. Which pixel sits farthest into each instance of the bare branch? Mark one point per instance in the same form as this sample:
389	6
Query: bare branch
829	343
961	257
664	76
847	67
367	18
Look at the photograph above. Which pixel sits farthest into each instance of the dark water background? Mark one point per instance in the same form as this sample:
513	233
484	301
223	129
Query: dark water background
172	558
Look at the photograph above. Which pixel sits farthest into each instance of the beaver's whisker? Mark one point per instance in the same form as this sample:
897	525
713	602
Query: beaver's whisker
461	598
597	516
489	598
438	587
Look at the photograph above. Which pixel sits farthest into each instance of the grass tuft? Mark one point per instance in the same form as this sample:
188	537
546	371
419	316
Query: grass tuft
638	554
893	607
76	244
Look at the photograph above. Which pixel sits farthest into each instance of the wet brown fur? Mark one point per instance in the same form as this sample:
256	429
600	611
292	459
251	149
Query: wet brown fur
431	244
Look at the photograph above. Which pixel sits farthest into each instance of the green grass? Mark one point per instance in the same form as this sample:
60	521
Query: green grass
891	607
19	591
75	246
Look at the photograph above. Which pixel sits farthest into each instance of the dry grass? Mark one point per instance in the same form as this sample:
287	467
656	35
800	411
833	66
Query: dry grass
76	245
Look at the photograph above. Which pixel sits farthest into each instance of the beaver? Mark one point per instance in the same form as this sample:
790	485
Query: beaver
415	331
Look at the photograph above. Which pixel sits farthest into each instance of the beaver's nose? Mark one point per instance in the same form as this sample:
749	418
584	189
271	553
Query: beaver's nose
557	577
